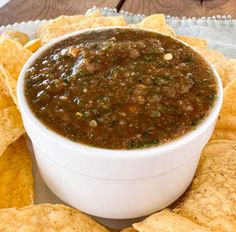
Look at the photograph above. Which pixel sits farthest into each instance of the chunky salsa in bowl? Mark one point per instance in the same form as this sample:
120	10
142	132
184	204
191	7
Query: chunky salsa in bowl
120	88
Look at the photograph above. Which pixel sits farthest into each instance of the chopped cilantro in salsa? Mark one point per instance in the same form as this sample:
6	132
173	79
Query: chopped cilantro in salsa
120	88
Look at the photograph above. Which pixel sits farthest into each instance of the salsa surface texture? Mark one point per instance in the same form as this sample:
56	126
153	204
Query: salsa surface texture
120	88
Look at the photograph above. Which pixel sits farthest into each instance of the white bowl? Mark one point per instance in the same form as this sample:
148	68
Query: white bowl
115	184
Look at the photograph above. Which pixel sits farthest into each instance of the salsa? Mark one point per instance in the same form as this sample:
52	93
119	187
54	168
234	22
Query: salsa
120	88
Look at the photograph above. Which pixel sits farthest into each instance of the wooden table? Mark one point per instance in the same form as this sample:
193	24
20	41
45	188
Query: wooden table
24	10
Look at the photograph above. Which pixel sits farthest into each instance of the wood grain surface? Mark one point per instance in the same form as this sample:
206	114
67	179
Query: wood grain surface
219	7
168	7
188	8
25	10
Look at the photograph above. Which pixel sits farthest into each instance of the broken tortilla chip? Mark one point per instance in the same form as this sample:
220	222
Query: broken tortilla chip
47	217
166	221
193	41
16	178
211	200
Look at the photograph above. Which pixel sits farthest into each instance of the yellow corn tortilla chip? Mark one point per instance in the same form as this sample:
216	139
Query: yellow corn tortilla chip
88	22
5	97
193	41
156	22
3	86
211	55
130	229
12	58
65	20
62	20
166	221
18	36
211	199
11	127
47	217
227	70
101	22
224	134
226	124
11	84
94	13
33	45
16	178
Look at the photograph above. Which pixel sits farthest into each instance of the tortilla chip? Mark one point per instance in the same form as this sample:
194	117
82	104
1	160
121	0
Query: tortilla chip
65	20
3	86
166	221
33	45
12	58
130	229
62	20
101	22
193	41
5	97
94	13
224	134
11	127
227	70
18	36
16	178
211	199
156	22
47	217
11	84
211	55
226	124
53	32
